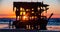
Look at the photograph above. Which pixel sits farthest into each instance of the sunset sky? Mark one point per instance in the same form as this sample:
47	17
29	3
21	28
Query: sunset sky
6	7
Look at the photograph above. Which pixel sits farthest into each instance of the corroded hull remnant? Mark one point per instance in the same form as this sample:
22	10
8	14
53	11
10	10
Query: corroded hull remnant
30	15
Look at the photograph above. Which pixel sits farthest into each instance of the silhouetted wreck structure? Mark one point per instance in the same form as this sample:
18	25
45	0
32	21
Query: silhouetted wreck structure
29	15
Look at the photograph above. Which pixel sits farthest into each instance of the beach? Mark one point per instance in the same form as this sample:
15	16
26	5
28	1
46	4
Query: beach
52	27
49	27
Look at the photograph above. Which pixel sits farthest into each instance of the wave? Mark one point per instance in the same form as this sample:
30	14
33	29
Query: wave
52	21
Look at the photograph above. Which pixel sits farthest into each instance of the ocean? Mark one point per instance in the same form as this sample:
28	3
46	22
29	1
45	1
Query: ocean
52	23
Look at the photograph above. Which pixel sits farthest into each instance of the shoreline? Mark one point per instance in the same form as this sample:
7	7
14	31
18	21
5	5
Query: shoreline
49	27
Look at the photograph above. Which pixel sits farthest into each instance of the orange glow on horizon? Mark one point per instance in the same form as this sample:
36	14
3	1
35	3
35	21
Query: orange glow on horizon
6	8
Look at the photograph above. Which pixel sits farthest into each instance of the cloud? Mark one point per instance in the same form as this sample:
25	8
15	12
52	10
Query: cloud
58	1
0	1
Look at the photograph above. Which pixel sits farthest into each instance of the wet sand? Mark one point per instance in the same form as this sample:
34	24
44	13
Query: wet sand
53	27
6	26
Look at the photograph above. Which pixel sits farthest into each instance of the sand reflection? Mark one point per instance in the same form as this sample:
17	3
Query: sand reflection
4	26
